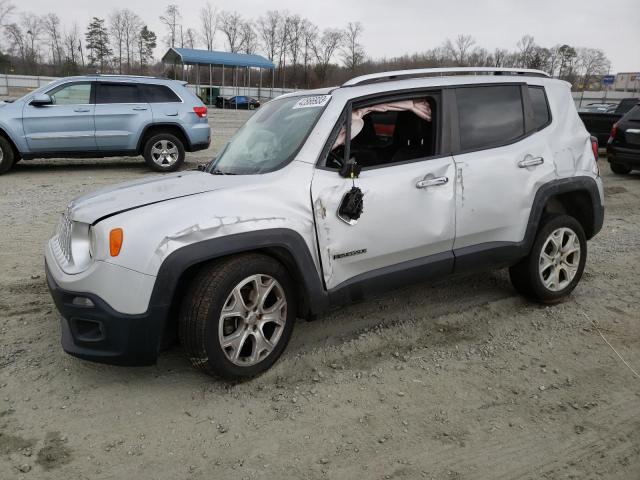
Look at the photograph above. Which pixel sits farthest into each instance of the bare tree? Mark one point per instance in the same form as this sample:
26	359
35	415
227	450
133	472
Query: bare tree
283	40
268	27
459	48
171	19
117	31
72	44
324	50
352	51
190	36
499	55
17	41
310	34
32	27
527	47
132	26
591	62
6	10
209	24
52	28
249	38
295	41
230	23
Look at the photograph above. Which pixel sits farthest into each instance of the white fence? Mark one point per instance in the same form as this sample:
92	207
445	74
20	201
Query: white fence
16	85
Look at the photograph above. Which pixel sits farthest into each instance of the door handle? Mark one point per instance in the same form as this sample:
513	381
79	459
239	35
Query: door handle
81	110
432	182
139	109
633	130
530	162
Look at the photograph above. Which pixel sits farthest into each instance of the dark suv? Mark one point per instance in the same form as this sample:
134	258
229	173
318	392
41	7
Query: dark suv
623	147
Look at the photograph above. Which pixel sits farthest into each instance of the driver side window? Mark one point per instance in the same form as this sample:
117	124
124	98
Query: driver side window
387	133
71	94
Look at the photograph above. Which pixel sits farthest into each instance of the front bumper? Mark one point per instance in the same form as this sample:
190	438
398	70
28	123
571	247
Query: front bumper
100	334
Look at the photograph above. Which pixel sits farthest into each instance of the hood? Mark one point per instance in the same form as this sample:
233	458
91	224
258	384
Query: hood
109	201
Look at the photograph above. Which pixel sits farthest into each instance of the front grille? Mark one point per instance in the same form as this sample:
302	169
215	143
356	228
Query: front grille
64	236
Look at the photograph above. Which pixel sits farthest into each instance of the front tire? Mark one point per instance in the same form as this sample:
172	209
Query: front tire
7	157
237	316
555	264
164	152
619	168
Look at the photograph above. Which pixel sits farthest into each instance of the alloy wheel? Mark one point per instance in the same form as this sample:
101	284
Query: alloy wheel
559	259
164	153
252	320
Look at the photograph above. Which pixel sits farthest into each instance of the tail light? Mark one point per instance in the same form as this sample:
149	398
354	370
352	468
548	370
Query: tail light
594	147
614	130
200	111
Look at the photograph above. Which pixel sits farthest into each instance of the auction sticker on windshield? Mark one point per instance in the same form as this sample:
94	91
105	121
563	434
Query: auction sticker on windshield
312	102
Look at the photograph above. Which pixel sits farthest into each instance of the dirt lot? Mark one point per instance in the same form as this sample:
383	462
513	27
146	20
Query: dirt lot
461	379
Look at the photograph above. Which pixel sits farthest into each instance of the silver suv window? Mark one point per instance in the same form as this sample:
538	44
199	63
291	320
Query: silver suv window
117	93
489	116
71	94
158	94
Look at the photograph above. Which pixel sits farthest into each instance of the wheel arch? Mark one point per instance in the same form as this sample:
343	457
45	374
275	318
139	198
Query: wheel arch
155	128
286	246
4	133
576	196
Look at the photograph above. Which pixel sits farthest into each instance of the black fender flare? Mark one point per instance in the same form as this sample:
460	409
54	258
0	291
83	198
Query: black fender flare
297	258
560	186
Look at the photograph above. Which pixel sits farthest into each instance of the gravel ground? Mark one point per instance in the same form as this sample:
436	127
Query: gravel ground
459	379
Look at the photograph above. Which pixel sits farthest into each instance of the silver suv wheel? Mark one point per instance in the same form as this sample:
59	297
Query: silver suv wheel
559	259
252	320
164	153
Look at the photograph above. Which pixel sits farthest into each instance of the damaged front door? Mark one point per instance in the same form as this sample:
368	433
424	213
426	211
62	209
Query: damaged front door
408	215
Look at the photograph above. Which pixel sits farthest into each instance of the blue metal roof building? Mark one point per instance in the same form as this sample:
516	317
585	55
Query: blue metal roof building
240	64
192	56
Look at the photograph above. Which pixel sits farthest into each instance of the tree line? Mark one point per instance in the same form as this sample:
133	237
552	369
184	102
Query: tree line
305	55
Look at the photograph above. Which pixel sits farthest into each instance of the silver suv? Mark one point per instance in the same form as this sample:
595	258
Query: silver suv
324	198
102	116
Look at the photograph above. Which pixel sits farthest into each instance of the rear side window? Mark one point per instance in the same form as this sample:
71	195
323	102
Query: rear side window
633	114
540	107
158	94
489	116
117	93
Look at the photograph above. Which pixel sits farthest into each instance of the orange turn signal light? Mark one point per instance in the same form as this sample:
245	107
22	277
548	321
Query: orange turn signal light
116	236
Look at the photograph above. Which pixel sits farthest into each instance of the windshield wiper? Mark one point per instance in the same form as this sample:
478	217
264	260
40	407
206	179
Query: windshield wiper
217	171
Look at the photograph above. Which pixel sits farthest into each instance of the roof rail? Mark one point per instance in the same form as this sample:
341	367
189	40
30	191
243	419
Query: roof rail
424	72
119	75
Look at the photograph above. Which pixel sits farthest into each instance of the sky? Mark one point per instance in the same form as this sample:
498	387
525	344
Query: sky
393	28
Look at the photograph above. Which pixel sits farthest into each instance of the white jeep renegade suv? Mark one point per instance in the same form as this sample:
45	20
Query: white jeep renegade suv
327	197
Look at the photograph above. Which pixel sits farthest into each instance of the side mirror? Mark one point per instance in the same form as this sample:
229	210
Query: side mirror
41	99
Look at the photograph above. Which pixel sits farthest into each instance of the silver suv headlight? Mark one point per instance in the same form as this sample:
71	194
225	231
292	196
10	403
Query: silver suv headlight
72	245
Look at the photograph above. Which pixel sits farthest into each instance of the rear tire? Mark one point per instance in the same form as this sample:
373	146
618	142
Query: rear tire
164	152
237	316
7	157
555	264
619	168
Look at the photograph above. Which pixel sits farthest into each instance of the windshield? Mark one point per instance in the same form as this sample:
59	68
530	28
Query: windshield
271	137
